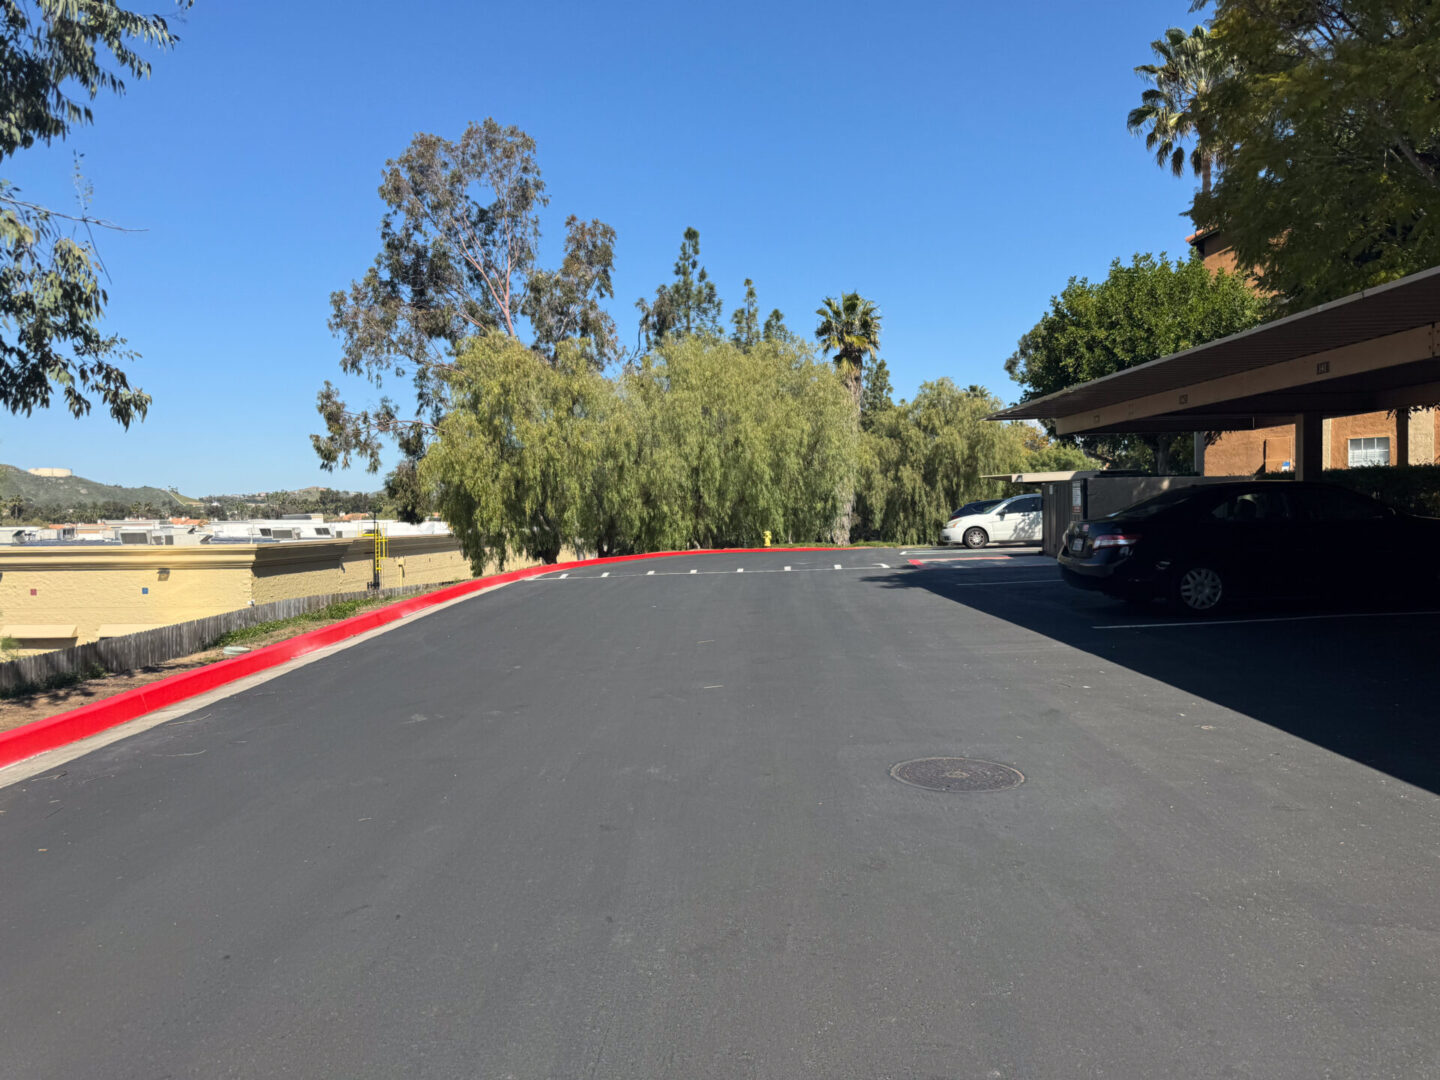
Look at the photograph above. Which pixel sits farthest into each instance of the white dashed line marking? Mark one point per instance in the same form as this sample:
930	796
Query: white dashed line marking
564	576
884	566
839	567
649	573
605	574
739	570
694	571
787	568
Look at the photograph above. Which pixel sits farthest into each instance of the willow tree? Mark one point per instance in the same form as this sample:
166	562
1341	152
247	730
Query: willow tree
735	442
514	460
922	458
702	443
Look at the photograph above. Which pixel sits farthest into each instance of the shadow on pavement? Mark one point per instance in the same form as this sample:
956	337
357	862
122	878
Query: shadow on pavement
1363	682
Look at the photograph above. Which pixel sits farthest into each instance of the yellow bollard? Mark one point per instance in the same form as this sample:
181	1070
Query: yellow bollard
767	537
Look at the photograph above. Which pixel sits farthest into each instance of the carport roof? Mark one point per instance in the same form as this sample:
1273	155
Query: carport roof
1409	304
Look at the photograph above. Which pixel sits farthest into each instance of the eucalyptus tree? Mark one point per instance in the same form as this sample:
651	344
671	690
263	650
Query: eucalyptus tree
53	62
459	244
1190	66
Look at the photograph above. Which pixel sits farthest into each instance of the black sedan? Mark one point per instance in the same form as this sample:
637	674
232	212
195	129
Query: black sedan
1203	546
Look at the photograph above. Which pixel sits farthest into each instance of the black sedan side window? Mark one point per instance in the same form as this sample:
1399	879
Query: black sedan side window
1253	506
1337	504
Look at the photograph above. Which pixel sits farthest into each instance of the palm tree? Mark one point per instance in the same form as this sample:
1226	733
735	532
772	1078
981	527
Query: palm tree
850	328
1169	112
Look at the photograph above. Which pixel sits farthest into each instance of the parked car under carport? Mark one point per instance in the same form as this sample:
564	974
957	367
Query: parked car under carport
1203	548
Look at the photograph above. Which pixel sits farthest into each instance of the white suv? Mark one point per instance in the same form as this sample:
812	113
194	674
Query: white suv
1016	520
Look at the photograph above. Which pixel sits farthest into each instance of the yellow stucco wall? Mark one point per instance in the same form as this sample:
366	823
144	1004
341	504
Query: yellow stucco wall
108	589
94	587
337	566
112	589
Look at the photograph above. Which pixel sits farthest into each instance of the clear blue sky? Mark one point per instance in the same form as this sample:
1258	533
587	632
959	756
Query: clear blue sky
954	162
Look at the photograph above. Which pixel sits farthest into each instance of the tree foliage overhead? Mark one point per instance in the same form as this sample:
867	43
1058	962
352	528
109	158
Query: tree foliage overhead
1329	127
459	250
52	64
1141	311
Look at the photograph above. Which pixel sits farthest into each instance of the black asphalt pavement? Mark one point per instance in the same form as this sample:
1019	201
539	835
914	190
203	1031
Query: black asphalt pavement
643	825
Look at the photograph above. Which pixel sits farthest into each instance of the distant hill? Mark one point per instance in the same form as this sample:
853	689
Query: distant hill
62	492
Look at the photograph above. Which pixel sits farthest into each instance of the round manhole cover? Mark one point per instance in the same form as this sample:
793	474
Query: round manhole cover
957	774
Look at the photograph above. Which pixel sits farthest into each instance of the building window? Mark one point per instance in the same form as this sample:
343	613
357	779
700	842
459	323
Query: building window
1374	451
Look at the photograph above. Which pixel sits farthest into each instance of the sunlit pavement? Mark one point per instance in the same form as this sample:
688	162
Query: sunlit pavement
640	822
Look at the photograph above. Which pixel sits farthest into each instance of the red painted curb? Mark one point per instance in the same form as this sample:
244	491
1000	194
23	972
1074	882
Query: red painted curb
36	737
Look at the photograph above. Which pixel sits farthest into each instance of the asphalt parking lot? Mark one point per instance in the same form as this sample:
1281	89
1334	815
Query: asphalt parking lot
640	821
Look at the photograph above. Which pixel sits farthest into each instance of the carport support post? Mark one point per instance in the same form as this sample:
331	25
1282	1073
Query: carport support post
1402	438
1309	446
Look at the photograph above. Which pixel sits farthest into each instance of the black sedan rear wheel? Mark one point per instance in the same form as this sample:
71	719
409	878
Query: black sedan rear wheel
1199	589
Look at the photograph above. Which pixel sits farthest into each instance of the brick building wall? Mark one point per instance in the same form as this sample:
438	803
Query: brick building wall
1243	453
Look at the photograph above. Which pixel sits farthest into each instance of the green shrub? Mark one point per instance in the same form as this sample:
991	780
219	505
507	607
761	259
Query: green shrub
1415	488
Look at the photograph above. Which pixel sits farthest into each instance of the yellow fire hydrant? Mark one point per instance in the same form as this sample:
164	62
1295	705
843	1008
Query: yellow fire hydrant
767	537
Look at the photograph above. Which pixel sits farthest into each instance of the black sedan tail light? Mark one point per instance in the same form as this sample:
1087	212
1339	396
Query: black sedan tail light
1116	539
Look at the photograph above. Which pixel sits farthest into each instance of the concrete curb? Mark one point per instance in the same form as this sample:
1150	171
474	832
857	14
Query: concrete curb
59	730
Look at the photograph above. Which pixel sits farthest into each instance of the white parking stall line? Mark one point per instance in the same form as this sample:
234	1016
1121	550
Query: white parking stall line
1200	622
1007	581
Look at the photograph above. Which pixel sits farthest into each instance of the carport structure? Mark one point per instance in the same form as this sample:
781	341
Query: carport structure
1371	351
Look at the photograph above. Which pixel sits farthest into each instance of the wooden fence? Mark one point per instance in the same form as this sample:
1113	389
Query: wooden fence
165	642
